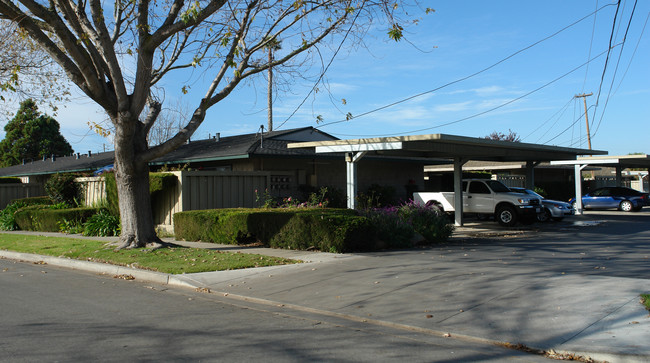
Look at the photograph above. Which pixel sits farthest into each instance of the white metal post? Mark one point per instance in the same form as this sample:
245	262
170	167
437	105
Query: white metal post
578	182
351	160
458	191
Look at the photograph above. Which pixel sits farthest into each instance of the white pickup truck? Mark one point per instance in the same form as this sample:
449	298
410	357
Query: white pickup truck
486	197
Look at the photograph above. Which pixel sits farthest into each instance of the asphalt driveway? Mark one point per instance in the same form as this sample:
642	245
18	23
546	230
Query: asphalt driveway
570	286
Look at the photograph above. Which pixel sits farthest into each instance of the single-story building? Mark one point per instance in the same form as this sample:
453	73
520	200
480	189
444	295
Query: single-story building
227	171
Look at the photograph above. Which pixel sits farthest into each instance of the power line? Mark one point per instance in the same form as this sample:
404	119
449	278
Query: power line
611	39
633	53
620	54
591	43
326	68
567	129
560	111
466	77
493	108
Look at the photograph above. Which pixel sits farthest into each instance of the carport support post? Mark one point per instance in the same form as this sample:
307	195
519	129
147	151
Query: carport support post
578	181
619	176
351	160
458	191
530	174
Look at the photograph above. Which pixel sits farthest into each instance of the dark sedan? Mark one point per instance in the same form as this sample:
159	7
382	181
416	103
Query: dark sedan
622	198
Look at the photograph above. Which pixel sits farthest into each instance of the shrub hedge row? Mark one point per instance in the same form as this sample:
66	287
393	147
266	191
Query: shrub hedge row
332	230
45	219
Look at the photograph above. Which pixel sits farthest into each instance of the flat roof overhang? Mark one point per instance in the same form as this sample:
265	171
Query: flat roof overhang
623	161
441	148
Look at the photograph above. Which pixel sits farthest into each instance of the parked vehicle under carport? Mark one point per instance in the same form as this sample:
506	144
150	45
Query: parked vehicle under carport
553	209
621	198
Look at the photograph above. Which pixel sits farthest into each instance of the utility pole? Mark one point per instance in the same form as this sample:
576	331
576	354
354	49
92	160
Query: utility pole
270	90
584	99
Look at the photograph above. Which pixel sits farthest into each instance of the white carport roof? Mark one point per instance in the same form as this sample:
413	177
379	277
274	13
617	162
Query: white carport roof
439	148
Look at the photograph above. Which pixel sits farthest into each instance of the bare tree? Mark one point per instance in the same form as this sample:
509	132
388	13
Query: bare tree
27	71
117	52
500	136
170	121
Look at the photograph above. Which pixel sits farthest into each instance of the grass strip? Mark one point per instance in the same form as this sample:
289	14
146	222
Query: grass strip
645	300
175	260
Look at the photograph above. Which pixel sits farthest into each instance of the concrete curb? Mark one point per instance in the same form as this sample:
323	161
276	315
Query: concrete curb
98	267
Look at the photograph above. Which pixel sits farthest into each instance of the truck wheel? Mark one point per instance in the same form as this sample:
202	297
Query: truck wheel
436	207
506	216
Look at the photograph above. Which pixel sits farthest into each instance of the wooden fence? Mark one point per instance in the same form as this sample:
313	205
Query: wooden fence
93	190
204	190
9	192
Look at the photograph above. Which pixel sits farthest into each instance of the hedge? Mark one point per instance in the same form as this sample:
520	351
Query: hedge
33	201
44	219
332	230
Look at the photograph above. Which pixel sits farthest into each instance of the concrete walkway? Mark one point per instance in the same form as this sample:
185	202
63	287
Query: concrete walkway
567	287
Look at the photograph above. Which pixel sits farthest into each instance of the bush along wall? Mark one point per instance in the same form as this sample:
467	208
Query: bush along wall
62	188
332	230
45	219
7	218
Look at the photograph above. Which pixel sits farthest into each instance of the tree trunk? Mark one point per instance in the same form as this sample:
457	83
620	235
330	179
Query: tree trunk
132	178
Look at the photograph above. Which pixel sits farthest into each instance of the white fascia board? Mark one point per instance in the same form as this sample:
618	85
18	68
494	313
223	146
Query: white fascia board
359	147
585	162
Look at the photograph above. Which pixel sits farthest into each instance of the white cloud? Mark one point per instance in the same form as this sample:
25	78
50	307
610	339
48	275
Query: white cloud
454	107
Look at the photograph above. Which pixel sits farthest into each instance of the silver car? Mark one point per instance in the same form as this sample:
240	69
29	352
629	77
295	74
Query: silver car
553	209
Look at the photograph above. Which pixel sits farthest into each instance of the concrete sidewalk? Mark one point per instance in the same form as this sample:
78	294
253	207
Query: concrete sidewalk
472	288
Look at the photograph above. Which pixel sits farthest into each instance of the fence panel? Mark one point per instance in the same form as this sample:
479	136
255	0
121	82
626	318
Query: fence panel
512	180
9	192
93	189
166	203
211	190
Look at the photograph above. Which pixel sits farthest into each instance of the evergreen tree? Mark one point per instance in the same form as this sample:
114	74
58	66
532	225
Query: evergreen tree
31	135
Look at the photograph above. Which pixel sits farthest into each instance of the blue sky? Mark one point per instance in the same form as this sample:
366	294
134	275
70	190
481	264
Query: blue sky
531	93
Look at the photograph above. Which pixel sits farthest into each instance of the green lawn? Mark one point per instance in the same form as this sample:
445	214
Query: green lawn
645	300
176	260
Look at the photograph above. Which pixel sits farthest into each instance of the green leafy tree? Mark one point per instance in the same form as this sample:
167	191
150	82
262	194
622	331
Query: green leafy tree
31	135
121	54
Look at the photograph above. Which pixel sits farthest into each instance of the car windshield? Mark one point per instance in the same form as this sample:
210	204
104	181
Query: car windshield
497	186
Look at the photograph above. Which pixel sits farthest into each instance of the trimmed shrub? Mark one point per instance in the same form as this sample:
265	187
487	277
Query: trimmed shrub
395	227
45	219
7	219
62	188
334	230
33	201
